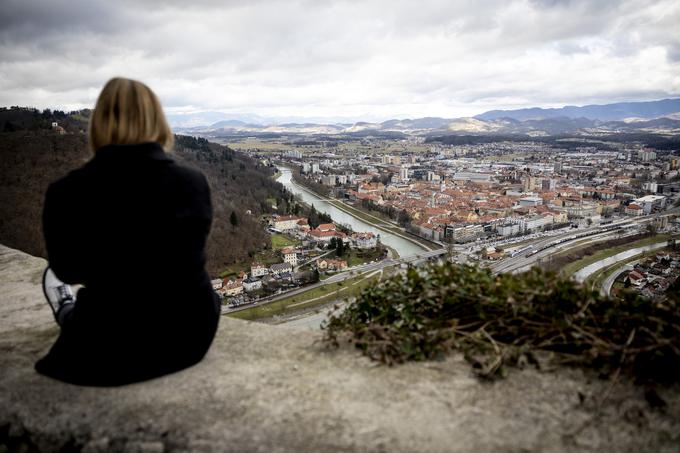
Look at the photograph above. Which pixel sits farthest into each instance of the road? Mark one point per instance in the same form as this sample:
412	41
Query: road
522	261
611	278
587	271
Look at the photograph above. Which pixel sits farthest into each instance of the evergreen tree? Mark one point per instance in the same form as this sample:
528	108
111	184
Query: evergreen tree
313	218
403	218
233	219
339	248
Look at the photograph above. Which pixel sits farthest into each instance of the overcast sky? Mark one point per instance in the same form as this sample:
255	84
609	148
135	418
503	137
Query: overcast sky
355	59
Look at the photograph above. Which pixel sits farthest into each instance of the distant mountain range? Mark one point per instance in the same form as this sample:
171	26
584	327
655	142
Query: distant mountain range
607	112
627	117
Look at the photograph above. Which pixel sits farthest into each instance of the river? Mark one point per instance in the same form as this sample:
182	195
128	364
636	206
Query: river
402	246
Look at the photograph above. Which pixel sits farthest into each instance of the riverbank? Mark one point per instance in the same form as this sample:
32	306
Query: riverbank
373	222
389	226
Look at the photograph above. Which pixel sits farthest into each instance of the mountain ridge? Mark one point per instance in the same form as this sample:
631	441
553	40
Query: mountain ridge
603	112
661	116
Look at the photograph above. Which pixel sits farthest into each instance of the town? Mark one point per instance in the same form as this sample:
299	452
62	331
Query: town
497	202
463	193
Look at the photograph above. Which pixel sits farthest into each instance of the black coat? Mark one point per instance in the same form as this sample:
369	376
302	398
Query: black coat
130	225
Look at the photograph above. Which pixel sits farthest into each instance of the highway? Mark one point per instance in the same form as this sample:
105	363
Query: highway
572	238
589	270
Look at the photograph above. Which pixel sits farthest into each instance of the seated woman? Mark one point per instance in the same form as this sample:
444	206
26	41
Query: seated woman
130	226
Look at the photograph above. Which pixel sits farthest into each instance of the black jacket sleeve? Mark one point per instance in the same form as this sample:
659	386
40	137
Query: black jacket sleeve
63	239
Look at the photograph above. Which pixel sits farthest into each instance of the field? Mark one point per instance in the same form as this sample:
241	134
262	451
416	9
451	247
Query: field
358	256
280	241
259	145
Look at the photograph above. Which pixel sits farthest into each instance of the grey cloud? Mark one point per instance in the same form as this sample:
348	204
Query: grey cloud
673	52
340	56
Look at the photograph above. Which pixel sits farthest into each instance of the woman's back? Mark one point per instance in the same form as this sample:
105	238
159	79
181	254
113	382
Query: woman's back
134	215
131	226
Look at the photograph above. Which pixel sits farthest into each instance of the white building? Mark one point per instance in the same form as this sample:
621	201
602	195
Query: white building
287	222
365	240
432	176
258	270
216	283
470	176
651	202
250	285
634	210
581	210
530	201
508	229
548	184
403	173
537	222
280	268
650	187
328	180
290	256
647	155
464	233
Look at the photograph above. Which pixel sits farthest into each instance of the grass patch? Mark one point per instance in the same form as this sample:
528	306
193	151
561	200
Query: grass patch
266	257
358	256
511	320
259	145
280	241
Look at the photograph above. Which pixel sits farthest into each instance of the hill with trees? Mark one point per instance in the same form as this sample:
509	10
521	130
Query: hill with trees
33	154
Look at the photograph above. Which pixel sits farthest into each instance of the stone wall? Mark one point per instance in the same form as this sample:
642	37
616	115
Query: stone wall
268	388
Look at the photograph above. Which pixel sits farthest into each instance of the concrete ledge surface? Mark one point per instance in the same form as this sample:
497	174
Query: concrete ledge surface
276	389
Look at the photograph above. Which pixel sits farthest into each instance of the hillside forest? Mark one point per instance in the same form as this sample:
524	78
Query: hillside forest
33	154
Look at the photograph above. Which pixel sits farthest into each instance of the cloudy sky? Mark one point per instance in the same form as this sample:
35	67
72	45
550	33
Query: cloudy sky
352	59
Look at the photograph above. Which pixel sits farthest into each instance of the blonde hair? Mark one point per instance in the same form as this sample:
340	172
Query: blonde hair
128	113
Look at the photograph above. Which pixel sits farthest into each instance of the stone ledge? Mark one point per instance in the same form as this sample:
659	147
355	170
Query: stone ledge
269	388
